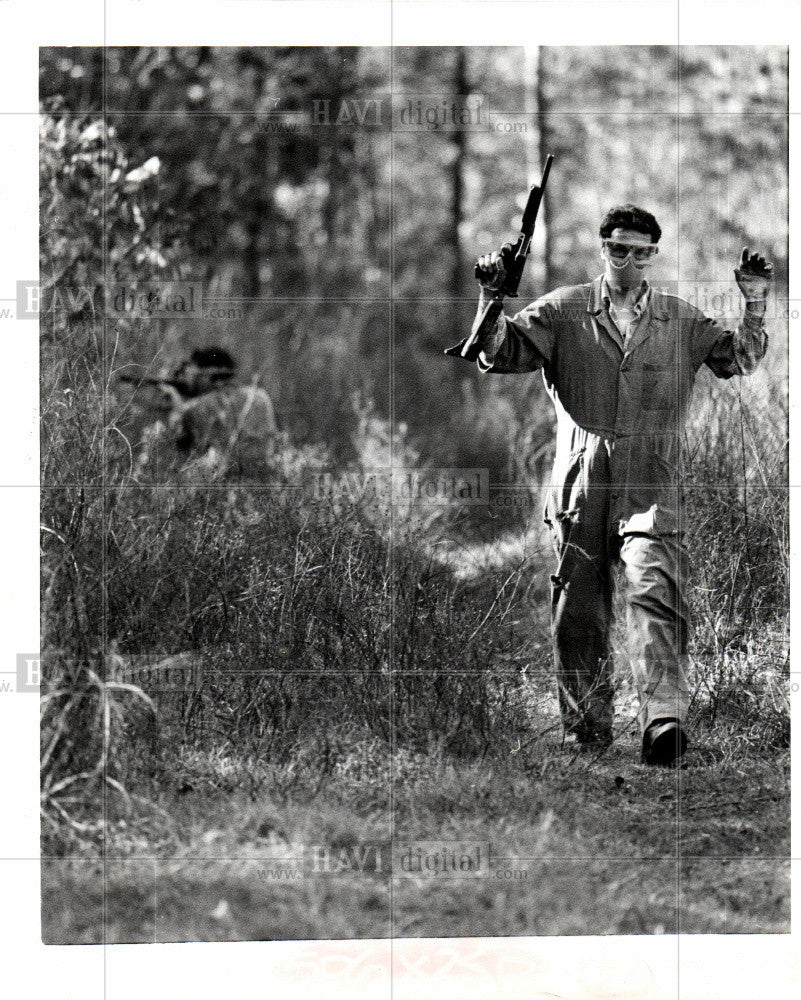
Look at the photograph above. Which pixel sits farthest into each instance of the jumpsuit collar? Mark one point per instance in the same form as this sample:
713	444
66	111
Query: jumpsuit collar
654	303
600	295
640	304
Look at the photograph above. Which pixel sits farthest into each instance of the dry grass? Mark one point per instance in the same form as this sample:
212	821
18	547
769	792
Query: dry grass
340	664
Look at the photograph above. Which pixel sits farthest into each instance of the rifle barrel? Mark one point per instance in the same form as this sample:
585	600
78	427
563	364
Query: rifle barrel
546	170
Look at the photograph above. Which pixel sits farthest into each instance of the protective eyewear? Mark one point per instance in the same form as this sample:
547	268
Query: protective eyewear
641	252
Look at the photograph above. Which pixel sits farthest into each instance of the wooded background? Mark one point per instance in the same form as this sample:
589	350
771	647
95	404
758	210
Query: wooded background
346	250
348	673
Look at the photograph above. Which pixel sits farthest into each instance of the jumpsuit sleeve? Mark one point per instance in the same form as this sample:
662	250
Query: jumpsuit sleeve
732	352
523	343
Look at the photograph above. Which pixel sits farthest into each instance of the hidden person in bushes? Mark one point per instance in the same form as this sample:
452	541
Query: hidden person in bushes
619	358
214	427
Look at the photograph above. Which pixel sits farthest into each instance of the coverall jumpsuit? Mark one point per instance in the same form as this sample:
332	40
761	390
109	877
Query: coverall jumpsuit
621	407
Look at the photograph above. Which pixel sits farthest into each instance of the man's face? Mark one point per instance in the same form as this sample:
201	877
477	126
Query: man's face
627	254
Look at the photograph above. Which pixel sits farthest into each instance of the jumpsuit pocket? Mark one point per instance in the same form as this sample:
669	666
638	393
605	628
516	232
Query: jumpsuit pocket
658	387
562	509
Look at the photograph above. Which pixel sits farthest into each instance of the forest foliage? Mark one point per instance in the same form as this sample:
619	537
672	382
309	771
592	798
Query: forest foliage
335	259
347	247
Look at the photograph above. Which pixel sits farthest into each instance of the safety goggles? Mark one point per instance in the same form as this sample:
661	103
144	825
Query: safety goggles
619	251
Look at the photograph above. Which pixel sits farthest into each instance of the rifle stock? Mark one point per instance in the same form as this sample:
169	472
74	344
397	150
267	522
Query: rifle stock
483	324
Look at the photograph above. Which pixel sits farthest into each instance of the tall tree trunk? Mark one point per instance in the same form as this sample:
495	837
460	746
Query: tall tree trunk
460	88
259	205
539	143
343	171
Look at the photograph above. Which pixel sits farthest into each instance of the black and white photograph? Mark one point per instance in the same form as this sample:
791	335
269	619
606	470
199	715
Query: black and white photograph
414	494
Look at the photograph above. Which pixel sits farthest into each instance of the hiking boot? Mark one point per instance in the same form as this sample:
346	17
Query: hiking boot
663	742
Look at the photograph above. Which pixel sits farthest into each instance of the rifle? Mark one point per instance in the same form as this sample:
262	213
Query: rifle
185	387
150	380
514	261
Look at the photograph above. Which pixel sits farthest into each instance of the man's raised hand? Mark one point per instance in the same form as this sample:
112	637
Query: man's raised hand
491	268
753	275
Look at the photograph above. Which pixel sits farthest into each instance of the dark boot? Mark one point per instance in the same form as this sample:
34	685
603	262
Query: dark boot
663	743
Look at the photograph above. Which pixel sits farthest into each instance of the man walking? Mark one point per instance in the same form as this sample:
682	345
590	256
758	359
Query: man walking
619	359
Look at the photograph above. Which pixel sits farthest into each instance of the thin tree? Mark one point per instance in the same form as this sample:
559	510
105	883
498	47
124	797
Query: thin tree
460	89
539	142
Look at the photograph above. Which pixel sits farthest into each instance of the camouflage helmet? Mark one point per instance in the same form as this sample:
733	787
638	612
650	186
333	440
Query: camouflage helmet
214	357
204	370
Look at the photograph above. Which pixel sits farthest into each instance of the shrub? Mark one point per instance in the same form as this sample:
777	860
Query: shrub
294	616
738	519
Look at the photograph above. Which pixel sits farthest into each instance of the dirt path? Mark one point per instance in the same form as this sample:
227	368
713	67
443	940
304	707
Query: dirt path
573	844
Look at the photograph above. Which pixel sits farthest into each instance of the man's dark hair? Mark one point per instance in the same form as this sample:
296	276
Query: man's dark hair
213	357
216	364
630	217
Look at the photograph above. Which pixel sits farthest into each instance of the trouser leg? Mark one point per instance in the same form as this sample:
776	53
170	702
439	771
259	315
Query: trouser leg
581	613
657	620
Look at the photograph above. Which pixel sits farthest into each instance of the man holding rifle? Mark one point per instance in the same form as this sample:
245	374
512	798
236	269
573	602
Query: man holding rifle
619	359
